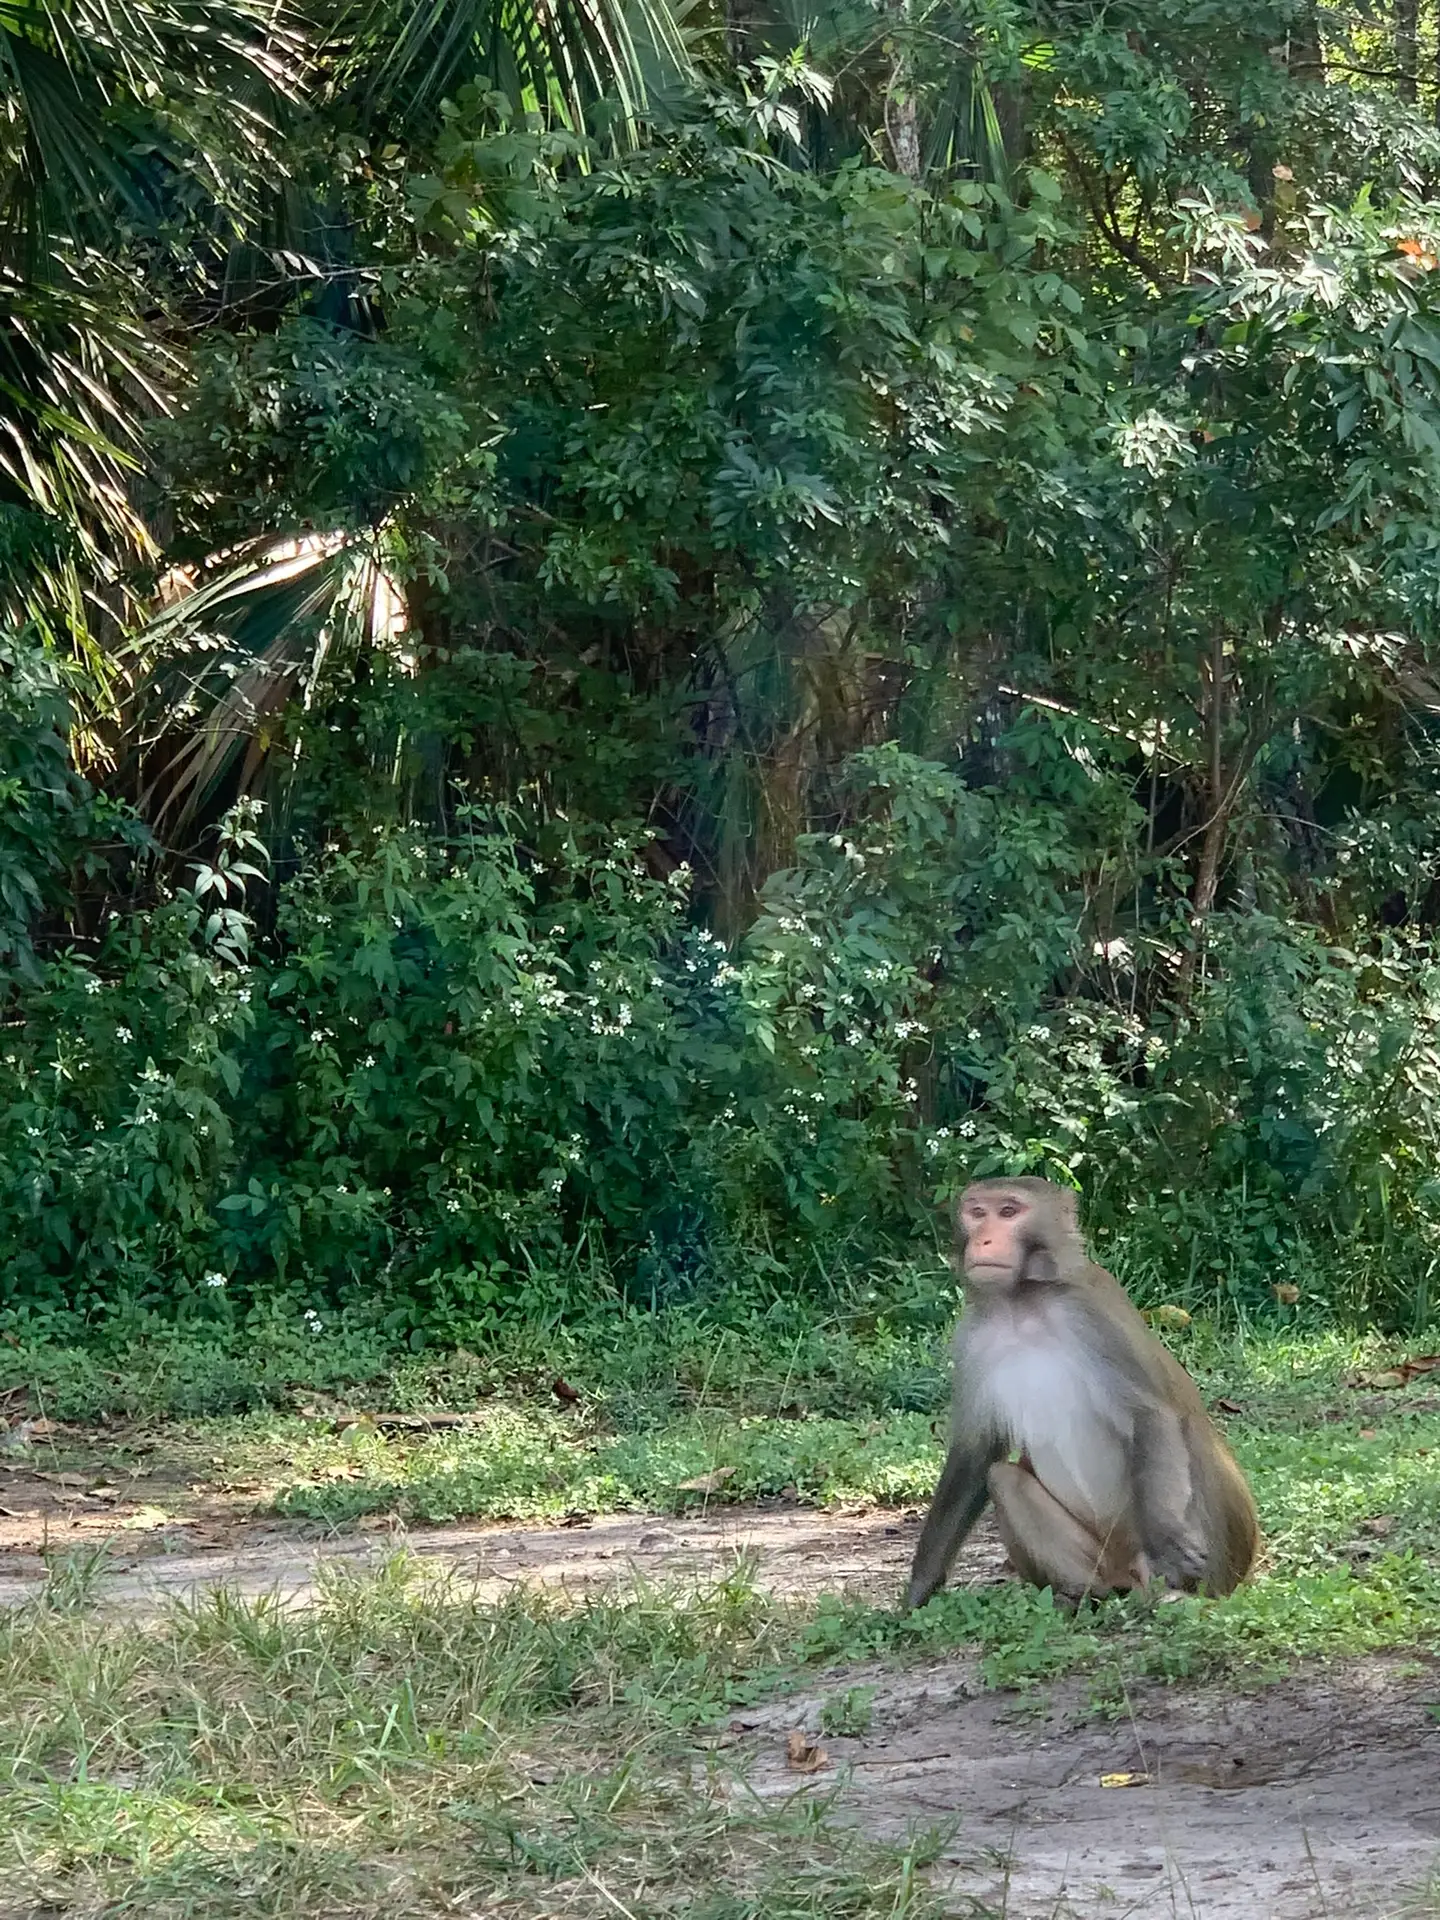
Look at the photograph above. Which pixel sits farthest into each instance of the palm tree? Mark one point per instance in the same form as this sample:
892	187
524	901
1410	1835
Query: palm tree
131	133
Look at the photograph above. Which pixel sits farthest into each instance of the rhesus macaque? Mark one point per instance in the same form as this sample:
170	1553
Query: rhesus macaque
1122	1478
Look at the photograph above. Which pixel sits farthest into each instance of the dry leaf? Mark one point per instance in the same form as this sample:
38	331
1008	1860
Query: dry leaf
1398	1374
707	1482
1381	1524
564	1391
1367	1433
1171	1317
801	1756
1286	1293
1124	1779
1229	1406
1417	251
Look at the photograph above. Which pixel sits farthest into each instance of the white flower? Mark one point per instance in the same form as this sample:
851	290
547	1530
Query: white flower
92	986
215	1280
313	1321
124	1035
452	1206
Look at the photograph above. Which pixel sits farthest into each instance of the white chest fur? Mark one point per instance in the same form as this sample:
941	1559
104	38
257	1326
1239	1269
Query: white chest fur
1041	1389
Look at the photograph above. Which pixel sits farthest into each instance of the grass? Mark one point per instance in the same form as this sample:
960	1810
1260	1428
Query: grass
403	1750
406	1749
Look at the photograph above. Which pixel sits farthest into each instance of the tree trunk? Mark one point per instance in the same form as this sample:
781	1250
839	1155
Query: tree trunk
902	120
746	25
1407	47
1212	848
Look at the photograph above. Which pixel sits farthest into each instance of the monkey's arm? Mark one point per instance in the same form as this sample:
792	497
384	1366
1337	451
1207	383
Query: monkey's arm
1171	1517
962	1492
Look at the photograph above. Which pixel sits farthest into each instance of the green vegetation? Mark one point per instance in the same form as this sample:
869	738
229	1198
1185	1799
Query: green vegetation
628	647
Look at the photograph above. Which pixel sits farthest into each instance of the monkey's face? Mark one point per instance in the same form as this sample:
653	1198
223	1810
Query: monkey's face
998	1225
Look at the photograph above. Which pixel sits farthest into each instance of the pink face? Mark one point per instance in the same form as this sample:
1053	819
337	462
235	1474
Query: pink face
993	1224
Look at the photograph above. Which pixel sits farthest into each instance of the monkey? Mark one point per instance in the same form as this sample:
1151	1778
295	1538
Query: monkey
1122	1477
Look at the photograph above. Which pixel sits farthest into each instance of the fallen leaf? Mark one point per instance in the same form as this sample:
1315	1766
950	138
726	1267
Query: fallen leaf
1285	1292
1381	1524
801	1756
1367	1433
1229	1406
1124	1779
564	1391
144	1519
63	1479
577	1520
1171	1317
104	1493
707	1482
1398	1374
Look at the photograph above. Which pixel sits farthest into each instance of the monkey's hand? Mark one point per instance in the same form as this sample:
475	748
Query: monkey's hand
1177	1555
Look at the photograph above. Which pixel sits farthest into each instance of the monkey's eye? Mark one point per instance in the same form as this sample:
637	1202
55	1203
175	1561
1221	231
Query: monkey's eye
1009	1210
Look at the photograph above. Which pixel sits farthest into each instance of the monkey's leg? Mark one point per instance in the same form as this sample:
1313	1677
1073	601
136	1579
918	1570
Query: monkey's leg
1049	1547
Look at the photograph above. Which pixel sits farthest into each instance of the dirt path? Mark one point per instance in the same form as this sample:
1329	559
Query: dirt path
1314	1798
797	1550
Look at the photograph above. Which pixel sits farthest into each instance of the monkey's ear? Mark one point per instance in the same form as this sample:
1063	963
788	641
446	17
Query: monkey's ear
1069	1205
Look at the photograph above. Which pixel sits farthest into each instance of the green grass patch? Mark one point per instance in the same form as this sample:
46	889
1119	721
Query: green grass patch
403	1750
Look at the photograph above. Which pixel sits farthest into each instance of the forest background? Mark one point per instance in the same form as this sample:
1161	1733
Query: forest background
635	640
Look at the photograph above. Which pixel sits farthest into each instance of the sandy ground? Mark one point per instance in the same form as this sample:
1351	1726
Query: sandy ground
797	1551
1317	1797
1313	1798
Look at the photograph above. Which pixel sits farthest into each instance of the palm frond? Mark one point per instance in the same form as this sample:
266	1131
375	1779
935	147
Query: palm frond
398	60
215	671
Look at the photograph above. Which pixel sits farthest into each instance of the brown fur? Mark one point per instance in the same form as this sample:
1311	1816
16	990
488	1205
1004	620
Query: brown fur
1142	1484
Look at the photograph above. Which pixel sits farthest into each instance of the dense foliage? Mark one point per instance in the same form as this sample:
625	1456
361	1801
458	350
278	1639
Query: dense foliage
661	654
